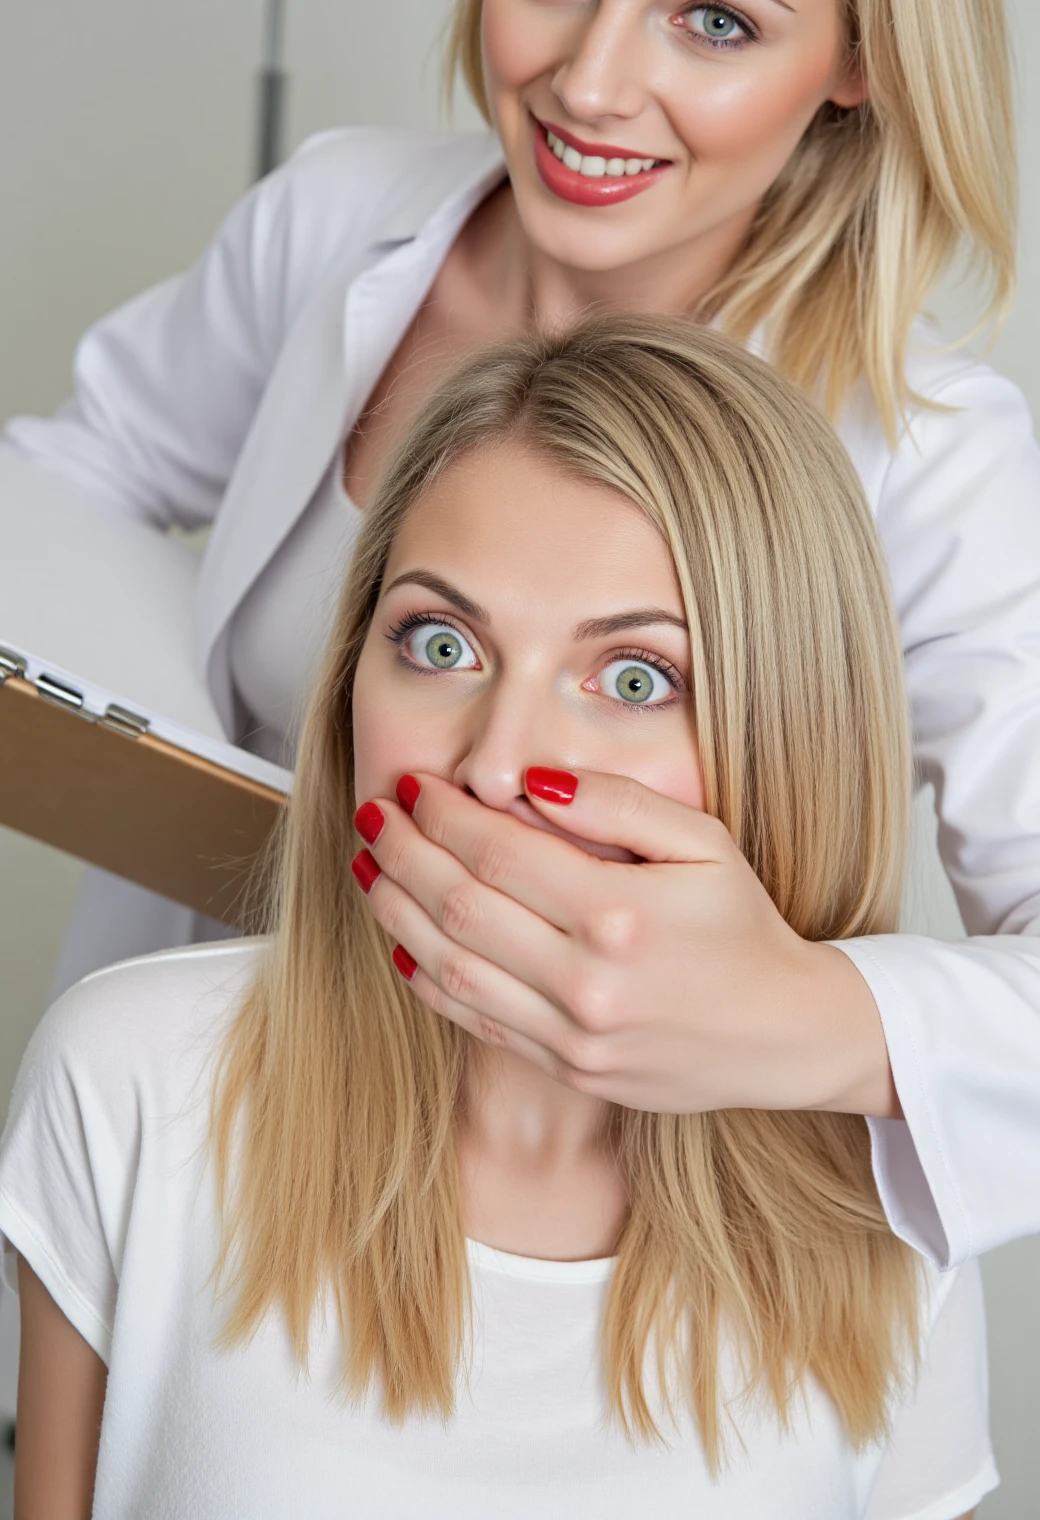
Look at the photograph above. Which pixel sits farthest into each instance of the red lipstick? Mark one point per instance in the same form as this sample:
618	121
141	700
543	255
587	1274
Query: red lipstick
580	189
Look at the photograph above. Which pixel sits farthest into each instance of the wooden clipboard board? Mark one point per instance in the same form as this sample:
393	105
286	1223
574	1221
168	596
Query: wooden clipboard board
132	804
110	747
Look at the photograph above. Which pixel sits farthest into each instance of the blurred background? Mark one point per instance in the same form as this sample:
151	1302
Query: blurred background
127	129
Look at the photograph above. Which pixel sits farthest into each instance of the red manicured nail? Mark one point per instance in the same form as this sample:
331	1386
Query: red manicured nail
369	820
408	790
551	786
365	870
404	962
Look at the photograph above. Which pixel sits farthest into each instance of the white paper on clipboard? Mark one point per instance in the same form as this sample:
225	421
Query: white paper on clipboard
99	605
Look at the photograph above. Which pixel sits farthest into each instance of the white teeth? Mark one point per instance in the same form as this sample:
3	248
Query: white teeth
592	166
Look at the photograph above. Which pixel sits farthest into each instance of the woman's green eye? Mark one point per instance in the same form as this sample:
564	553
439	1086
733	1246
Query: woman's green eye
635	685
717	24
444	650
438	646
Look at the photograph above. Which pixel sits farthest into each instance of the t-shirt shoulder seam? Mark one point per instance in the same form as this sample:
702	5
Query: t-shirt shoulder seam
184	953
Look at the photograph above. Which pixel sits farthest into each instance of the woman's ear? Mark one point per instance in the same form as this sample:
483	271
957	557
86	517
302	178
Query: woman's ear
852	88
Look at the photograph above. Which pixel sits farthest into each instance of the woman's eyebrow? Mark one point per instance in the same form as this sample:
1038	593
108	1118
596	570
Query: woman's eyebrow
601	628
445	589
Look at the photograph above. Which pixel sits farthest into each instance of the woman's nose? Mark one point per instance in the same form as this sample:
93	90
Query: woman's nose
603	76
513	729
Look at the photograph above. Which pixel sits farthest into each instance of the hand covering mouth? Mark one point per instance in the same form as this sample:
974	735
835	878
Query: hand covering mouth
522	809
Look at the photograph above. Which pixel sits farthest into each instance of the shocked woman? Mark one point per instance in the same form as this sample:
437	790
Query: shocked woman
313	1249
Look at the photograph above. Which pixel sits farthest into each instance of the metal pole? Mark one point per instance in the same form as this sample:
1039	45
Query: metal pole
273	82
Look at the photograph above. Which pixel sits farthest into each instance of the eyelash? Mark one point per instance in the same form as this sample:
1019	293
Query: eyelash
726	44
412	620
646	657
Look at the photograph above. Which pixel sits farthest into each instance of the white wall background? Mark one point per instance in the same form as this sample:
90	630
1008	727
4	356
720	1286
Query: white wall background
126	131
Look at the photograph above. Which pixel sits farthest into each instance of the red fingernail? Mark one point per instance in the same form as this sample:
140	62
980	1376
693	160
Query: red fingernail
369	820
365	871
408	790
404	962
551	786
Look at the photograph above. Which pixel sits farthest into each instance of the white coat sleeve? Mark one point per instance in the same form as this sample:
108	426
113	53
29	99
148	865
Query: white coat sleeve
167	386
960	518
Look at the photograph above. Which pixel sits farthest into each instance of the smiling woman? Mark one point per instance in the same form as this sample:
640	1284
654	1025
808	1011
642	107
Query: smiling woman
794	149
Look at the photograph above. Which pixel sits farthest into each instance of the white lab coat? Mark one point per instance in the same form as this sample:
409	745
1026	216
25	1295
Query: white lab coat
222	396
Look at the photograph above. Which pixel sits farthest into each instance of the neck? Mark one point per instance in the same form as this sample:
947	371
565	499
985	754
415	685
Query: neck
540	291
537	1171
513	1109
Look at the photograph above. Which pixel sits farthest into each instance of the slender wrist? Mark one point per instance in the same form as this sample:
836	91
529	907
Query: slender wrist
854	1074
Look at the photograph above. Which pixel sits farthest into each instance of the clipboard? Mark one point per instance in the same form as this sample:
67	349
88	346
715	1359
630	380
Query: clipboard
110	748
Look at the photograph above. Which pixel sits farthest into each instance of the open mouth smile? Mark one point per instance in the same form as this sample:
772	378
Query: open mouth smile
591	174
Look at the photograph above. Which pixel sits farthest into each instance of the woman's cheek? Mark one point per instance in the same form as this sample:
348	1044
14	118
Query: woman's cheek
402	722
387	740
659	751
519	46
739	120
679	779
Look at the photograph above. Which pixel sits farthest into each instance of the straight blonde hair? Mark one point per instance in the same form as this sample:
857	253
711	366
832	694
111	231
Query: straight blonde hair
876	202
336	1098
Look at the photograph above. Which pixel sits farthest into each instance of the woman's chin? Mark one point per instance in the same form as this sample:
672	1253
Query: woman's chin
523	810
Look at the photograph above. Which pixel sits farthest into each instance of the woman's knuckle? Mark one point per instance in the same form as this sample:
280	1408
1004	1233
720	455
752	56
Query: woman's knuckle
615	929
395	858
457	977
490	1031
458	911
630	802
575	1051
580	1065
436	1000
434	824
591	1006
390	913
493	861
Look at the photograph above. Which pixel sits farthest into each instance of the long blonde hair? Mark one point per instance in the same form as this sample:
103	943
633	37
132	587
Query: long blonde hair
875	203
336	1100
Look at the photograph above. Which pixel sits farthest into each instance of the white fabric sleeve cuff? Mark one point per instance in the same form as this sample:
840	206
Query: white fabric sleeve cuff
961	1175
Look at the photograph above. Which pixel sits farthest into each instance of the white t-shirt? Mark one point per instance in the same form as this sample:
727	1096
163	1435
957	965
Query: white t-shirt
107	1191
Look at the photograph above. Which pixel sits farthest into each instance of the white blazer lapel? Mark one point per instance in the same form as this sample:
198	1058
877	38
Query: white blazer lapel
331	362
288	448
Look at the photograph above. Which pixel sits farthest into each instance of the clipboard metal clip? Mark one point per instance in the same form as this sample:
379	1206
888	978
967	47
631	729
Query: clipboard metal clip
121	719
124	721
11	665
53	690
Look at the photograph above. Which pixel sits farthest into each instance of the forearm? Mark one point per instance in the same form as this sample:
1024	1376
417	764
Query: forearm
61	1392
